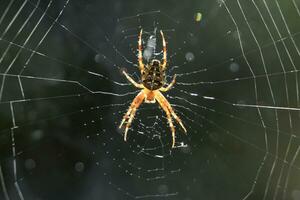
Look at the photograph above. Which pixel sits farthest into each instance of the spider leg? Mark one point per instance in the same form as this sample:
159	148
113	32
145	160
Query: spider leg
129	123
177	119
140	54
131	112
164	64
162	104
168	105
172	111
165	89
170	124
169	111
138	85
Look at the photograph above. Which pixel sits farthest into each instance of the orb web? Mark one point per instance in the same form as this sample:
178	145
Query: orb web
63	96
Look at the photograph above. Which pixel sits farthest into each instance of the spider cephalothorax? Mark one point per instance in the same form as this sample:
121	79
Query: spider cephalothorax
153	81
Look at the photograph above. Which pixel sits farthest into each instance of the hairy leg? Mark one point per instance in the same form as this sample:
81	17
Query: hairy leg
165	108
165	102
140	54
164	64
129	116
138	85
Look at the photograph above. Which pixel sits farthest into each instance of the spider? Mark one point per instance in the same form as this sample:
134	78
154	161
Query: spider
153	81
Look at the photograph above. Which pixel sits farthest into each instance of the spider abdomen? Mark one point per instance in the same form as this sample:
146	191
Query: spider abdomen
153	77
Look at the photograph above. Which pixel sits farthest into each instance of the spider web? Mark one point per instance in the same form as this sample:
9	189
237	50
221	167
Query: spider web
63	96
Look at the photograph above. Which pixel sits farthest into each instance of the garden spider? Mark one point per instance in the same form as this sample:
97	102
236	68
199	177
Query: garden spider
153	81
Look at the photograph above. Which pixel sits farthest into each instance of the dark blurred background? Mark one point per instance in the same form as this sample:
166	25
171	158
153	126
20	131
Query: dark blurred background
61	107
